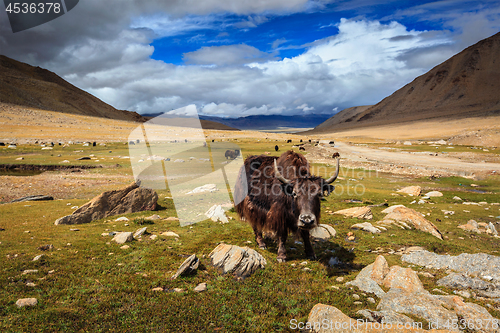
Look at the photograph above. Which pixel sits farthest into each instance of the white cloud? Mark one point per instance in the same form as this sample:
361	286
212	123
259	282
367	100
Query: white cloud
226	55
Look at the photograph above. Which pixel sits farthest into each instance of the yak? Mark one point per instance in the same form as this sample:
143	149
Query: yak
278	196
232	154
276	148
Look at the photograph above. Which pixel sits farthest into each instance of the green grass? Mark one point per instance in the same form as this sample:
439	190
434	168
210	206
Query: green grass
92	285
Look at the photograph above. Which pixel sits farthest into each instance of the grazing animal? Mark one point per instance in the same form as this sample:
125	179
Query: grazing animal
278	195
288	141
331	142
302	148
232	154
276	148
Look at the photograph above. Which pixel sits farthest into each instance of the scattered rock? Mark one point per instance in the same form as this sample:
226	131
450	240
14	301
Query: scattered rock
38	257
170	234
433	194
411	190
385	317
34	198
358	212
123	237
128	200
153	217
366	226
22	302
323	232
240	261
201	287
140	232
457	198
217	213
157	289
190	265
124	247
391	209
120	219
153	237
172	218
29	271
405	216
204	188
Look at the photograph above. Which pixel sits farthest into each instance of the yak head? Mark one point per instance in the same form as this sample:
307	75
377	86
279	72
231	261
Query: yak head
306	191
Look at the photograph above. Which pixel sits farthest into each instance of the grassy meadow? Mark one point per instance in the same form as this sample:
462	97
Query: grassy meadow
87	283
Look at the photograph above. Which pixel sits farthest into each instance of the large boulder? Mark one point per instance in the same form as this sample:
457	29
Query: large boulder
411	190
130	199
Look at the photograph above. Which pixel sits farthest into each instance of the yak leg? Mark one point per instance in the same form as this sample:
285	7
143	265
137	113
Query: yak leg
281	246
259	239
307	244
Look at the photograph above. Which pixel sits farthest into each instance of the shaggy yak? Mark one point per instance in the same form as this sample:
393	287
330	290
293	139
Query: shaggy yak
232	154
278	195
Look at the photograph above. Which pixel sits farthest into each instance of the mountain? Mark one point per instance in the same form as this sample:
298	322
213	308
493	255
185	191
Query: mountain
466	85
187	122
25	85
270	122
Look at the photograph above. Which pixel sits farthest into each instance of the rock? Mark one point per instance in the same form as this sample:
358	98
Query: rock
380	269
157	289
462	281
470	264
170	234
38	257
190	265
153	237
201	287
34	198
153	217
124	247
358	212
217	213
391	209
366	226
140	232
128	200
355	297
457	198
371	300
385	317
22	302
411	190
403	278
204	188
492	228
29	271
65	161
120	219
240	261
412	217
172	218
433	194
365	282
123	237
323	232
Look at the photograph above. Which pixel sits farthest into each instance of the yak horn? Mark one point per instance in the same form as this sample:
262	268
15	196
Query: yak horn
278	174
332	178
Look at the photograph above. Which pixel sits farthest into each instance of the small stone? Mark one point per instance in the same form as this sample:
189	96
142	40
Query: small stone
434	194
26	302
153	237
140	232
170	234
201	287
357	303
123	218
171	218
157	289
178	290
124	247
153	217
371	300
30	284
29	271
123	237
339	279
38	257
355	297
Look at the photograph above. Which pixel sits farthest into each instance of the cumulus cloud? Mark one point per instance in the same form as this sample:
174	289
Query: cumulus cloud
366	61
226	55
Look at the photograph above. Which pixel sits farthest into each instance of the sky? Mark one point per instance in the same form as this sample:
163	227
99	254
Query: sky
235	58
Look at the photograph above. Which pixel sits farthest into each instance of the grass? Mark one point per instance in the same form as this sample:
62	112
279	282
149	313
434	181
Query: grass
88	284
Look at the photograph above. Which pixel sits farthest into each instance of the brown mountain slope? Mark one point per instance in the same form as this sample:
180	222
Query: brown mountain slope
25	85
344	116
466	85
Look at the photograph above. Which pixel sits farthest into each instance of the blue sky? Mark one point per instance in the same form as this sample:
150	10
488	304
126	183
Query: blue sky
237	58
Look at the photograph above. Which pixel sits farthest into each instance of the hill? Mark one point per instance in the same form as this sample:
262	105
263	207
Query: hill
28	86
466	85
205	124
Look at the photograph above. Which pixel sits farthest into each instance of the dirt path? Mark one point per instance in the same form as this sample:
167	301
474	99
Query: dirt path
415	163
